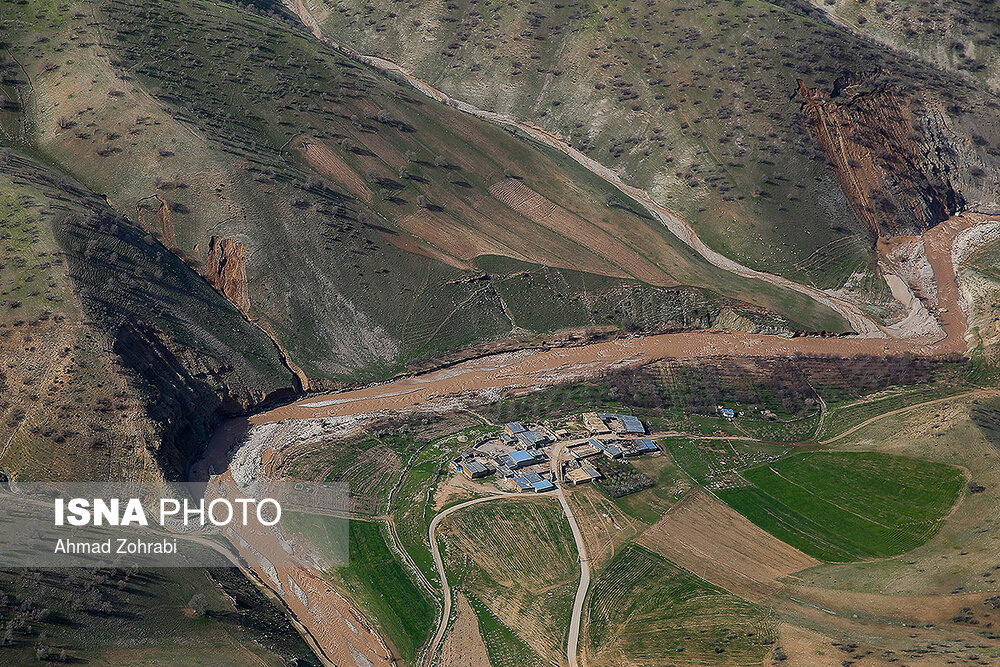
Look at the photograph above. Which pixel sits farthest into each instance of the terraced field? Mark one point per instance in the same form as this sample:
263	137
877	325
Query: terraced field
646	611
844	506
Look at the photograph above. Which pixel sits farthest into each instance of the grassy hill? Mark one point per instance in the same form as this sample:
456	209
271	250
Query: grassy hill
118	359
696	102
961	37
362	224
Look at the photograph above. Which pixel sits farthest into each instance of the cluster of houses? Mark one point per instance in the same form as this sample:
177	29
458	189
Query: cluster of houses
518	455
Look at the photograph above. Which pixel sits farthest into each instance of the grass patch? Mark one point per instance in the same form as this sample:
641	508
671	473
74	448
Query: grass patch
843	506
669	483
716	463
519	559
840	418
379	582
643	609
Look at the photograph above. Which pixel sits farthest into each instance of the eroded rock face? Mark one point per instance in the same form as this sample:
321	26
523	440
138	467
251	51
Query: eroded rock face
896	178
166	223
226	270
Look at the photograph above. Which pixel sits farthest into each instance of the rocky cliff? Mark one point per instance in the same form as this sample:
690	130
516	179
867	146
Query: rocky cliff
226	270
190	356
895	180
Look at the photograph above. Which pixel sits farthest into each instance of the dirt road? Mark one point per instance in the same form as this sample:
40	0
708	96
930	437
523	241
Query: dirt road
439	564
491	377
859	321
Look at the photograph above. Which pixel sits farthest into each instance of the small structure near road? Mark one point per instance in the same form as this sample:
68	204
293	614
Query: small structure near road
582	475
728	413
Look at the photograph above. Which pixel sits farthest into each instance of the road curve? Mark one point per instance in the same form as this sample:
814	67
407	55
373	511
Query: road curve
439	564
861	323
581	593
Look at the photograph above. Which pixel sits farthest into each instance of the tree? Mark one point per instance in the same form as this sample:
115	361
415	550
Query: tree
198	605
422	201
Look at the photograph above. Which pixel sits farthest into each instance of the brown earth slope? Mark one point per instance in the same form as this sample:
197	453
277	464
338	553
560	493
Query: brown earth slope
880	158
226	270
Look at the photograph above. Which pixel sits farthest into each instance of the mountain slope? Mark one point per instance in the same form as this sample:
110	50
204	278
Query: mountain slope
118	359
696	103
355	220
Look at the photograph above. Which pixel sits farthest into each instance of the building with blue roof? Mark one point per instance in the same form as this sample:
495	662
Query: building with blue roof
518	459
520	484
542	486
646	445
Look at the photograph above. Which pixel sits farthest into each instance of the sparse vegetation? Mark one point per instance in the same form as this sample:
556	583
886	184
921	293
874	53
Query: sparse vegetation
645	610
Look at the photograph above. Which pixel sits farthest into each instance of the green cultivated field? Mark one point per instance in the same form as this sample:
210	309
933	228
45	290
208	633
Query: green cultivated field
645	610
377	580
848	506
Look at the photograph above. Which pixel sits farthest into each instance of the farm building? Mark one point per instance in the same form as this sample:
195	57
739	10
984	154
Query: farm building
728	413
639	446
542	485
474	469
519	484
610	450
595	424
583	450
582	475
519	459
513	428
530	439
504	471
622	423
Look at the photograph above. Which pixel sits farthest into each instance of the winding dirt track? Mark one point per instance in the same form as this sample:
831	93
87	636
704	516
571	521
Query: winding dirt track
493	376
860	322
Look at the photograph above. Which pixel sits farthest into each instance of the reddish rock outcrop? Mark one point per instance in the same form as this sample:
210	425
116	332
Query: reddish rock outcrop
166	223
226	270
880	158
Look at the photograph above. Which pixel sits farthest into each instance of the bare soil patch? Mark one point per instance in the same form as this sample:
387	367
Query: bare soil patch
464	646
720	545
546	213
326	161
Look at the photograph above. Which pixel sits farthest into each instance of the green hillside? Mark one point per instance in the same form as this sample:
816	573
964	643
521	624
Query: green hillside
696	103
361	207
116	355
